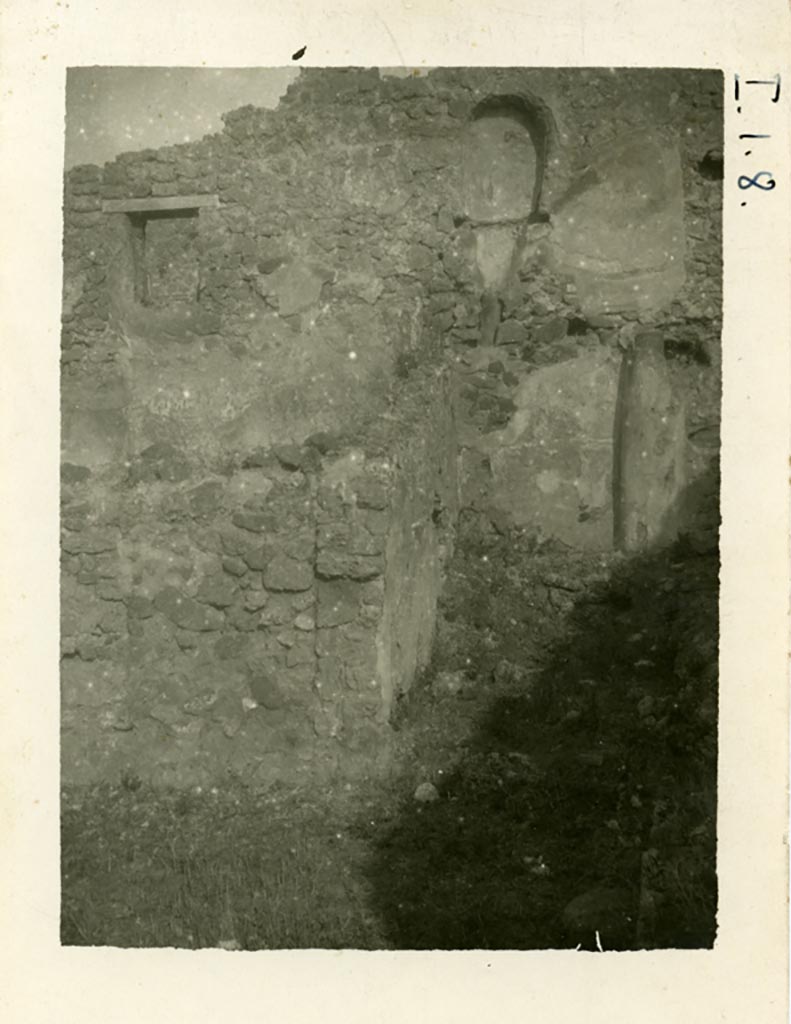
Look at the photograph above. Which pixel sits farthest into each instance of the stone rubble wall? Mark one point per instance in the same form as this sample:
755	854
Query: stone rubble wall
255	622
274	402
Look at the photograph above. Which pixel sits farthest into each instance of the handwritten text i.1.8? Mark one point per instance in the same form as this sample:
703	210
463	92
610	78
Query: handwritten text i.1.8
761	180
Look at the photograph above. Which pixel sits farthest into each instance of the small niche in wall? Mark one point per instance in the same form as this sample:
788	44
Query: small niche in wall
164	236
166	257
504	156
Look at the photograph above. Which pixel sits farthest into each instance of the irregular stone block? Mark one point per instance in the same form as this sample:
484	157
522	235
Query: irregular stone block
302	652
334	564
260	458
362	286
161	461
93	541
171	717
85	203
338	602
325	442
201	703
206	498
376	523
334	535
93	437
300	545
234	566
217	591
554	330
284	573
426	793
92	649
266	692
349	538
420	257
259	558
241	619
278	611
187	613
255	600
254	522
91	685
289	456
371	493
84	173
231	647
364	542
109	590
71	474
270	263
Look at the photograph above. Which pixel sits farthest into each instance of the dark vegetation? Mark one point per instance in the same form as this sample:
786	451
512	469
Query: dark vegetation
583	797
568	723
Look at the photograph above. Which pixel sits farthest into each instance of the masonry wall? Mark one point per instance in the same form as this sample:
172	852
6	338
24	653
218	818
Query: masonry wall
279	386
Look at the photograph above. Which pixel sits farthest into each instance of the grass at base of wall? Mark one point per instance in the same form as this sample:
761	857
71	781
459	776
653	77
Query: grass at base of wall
212	868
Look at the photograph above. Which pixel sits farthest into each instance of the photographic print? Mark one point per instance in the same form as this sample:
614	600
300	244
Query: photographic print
390	434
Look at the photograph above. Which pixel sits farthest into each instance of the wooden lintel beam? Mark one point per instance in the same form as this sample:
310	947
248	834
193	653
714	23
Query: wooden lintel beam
159	204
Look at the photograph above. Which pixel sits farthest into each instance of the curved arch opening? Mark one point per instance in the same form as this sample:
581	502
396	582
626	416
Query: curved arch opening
505	155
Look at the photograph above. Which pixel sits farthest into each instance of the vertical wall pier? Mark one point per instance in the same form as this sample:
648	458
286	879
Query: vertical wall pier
649	448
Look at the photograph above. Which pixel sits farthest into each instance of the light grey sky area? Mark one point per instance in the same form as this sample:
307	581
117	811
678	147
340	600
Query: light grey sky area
111	110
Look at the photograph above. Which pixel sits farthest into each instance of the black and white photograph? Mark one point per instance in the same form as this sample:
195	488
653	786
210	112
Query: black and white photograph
395	541
390	507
